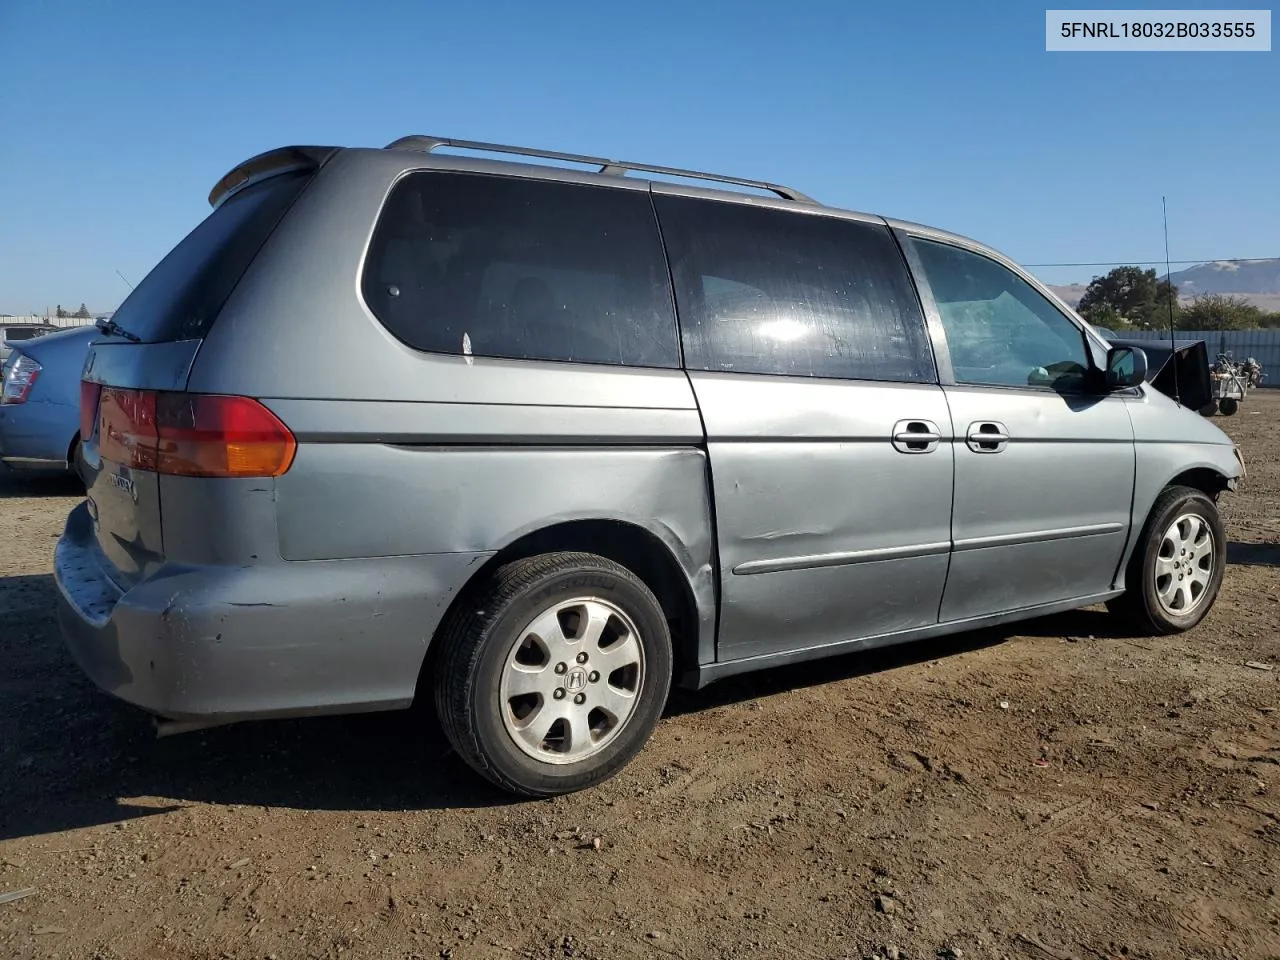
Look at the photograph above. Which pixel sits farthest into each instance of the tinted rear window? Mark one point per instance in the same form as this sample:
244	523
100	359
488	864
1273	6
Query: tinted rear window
523	269
794	294
14	334
181	296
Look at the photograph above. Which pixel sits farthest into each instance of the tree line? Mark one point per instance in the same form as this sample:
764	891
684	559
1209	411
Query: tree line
1130	298
81	314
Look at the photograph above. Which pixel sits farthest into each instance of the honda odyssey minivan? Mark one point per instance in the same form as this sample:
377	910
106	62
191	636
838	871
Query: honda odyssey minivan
592	432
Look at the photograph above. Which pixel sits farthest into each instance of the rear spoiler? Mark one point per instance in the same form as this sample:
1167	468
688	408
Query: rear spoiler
269	164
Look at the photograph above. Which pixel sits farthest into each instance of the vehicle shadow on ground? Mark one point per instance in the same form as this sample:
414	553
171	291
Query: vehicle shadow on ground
38	483
1093	624
74	757
1253	554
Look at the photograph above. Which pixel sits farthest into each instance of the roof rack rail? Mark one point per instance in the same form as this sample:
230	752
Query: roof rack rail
427	144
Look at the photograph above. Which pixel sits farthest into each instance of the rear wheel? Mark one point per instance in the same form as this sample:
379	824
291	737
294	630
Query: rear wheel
554	675
1177	566
1209	409
1228	406
73	459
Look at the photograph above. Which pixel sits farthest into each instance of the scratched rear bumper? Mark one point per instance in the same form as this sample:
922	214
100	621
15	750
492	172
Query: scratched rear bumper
274	639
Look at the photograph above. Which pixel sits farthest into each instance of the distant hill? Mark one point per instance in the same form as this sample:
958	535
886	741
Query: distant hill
1257	281
1070	292
1258	276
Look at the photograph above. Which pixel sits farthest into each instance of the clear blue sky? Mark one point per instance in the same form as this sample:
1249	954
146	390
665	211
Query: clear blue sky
116	116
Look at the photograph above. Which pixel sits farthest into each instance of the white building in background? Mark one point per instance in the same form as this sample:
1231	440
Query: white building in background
6	318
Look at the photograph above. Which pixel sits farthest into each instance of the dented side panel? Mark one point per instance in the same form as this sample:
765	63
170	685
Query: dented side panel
244	533
383	501
450	500
827	532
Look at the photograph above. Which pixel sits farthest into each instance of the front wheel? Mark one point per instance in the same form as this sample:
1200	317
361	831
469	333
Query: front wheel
554	674
1177	566
1209	409
1228	406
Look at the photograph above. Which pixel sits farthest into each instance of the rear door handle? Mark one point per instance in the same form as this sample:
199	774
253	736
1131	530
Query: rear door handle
987	436
916	436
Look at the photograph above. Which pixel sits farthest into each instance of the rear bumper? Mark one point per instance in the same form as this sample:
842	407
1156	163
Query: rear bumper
273	639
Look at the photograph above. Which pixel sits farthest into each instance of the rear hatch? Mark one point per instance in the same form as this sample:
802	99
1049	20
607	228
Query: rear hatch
136	421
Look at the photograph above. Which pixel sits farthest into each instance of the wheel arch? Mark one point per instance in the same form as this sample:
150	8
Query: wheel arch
1208	478
1142	603
645	552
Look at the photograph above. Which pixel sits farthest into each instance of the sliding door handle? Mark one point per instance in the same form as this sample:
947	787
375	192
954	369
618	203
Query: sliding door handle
987	436
916	436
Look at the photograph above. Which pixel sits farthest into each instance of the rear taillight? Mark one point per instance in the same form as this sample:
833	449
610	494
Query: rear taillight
193	435
127	427
19	377
89	393
217	436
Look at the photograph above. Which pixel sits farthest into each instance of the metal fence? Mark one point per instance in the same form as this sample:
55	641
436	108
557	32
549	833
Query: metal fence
1262	345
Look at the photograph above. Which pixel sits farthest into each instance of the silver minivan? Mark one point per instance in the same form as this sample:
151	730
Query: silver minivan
592	432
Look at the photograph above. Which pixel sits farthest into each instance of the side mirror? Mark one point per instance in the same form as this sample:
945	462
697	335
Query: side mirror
1126	367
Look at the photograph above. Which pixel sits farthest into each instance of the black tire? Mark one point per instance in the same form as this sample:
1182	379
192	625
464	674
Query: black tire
1228	406
1140	603
1209	409
74	459
479	638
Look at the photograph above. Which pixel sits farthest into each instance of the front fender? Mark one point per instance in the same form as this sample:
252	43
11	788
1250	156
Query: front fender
1160	465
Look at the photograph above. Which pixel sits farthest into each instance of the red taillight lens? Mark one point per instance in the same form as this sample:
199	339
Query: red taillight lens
193	435
127	427
89	393
217	436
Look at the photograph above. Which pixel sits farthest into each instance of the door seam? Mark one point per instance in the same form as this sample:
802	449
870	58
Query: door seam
951	527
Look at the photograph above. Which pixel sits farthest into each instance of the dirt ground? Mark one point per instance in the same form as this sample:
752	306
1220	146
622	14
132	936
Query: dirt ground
1057	791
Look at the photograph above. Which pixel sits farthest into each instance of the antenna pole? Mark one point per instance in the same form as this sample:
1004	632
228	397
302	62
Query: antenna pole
1168	280
130	285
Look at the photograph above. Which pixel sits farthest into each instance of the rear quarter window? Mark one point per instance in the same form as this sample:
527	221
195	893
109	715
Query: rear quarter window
469	264
180	298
